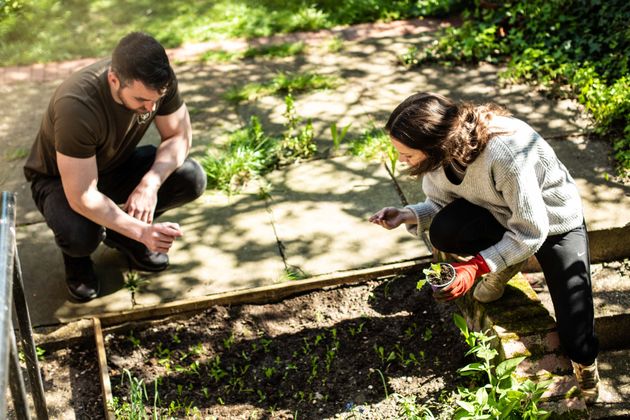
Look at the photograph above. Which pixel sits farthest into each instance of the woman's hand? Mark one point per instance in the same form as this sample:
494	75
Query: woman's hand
392	217
465	275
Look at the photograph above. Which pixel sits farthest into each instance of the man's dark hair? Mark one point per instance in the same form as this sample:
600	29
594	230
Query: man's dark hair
141	57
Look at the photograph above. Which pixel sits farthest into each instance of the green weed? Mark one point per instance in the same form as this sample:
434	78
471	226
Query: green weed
281	83
409	58
335	44
15	154
249	153
286	49
297	142
338	134
373	144
132	407
133	282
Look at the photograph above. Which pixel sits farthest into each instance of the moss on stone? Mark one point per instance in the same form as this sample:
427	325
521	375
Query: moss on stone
529	326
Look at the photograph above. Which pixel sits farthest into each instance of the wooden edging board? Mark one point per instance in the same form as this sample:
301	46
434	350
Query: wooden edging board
101	356
263	294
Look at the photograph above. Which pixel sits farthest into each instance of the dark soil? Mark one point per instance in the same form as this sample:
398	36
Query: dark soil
318	355
311	357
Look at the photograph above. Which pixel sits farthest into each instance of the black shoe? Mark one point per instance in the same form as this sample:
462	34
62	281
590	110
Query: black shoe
138	254
83	285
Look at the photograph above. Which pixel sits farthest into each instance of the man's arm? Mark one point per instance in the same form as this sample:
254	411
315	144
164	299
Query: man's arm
79	178
176	133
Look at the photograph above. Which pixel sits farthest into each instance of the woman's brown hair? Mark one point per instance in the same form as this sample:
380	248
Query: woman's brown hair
444	130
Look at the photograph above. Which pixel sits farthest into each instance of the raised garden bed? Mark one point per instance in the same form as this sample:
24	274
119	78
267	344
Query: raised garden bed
324	354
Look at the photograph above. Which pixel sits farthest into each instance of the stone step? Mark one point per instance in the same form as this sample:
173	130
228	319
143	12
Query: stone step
614	370
611	298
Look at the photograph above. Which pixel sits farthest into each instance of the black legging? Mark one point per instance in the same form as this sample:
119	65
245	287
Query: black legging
465	228
78	236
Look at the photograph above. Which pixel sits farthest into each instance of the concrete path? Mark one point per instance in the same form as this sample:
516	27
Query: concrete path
315	220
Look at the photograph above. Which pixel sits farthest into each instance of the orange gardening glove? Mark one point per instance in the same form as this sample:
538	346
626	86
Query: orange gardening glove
465	275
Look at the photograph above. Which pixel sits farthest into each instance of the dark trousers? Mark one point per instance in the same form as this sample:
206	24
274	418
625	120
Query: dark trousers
78	236
464	228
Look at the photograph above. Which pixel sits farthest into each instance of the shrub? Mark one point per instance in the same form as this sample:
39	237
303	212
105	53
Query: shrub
574	48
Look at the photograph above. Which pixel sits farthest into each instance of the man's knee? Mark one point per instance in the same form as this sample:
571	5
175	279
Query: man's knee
192	179
80	240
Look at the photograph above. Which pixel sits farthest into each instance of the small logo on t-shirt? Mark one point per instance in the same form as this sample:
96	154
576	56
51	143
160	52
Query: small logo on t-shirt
143	118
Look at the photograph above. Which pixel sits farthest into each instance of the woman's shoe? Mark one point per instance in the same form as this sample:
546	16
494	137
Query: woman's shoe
588	379
492	285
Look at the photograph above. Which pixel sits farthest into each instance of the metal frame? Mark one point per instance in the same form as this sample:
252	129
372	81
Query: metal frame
12	291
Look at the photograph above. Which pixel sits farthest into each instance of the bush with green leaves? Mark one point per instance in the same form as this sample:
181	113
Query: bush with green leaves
573	48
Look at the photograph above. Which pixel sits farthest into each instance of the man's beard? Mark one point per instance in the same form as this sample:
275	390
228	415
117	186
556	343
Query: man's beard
139	111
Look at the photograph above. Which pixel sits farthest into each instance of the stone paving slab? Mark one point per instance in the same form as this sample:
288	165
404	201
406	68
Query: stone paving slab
614	400
231	243
321	211
226	246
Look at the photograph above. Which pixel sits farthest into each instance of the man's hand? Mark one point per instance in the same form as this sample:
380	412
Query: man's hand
391	217
142	201
465	275
160	237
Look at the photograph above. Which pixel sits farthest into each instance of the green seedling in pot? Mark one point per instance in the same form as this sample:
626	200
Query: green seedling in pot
437	275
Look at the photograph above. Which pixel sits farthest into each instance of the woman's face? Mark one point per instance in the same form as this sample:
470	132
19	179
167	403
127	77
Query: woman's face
411	157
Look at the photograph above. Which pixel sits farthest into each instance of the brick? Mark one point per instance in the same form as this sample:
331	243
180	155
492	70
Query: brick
531	345
513	348
548	364
561	387
540	324
551	341
570	406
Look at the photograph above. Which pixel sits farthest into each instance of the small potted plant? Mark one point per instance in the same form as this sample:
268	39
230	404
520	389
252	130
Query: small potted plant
438	276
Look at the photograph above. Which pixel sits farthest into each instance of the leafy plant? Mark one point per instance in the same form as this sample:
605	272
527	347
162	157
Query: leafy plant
373	144
133	406
410	57
133	282
384	357
135	342
297	142
502	395
334	44
249	153
434	270
411	410
338	134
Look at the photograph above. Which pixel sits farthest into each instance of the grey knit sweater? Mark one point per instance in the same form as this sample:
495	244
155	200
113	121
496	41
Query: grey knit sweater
519	179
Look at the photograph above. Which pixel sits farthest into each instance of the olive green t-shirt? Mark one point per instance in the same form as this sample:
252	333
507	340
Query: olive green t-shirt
83	120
